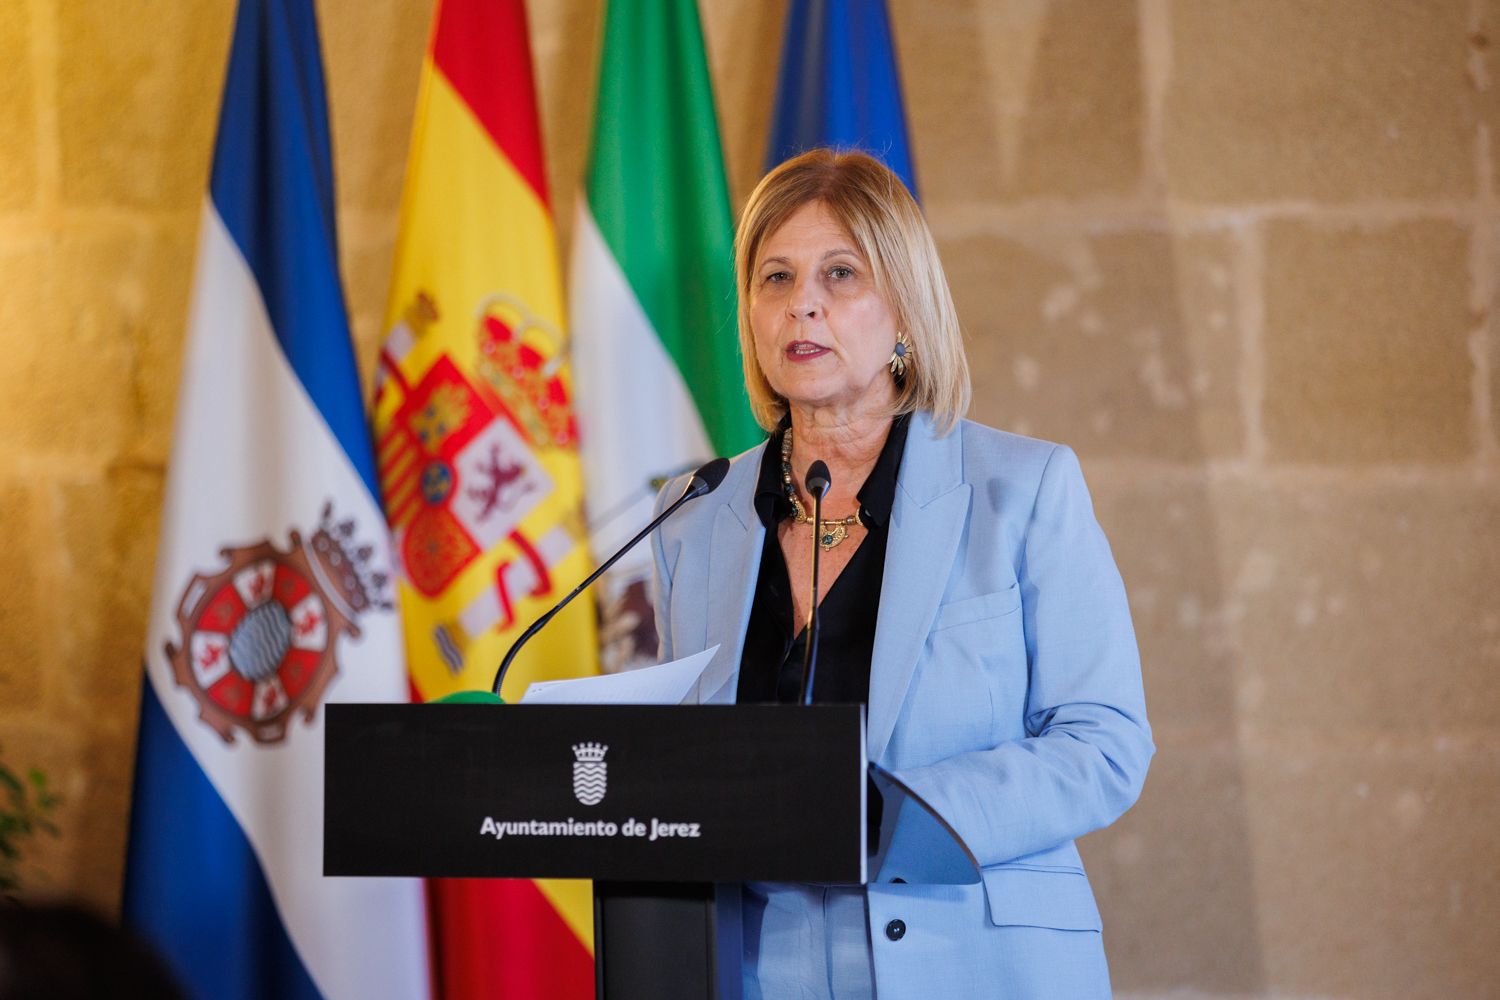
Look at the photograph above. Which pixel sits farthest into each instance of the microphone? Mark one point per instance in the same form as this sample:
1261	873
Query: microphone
818	483
704	481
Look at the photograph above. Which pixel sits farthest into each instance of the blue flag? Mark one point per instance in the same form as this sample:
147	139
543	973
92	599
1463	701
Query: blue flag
272	592
839	85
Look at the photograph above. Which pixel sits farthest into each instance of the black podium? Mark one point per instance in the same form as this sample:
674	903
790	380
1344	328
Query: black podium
657	804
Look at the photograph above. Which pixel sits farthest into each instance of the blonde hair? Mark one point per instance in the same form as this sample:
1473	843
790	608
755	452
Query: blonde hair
888	229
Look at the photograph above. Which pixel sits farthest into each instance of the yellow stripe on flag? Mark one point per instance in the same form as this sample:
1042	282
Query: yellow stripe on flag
473	229
483	484
574	901
468	220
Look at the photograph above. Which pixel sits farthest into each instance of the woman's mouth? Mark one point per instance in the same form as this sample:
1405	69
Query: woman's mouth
803	350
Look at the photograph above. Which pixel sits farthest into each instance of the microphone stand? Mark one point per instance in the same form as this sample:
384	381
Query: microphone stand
705	480
818	483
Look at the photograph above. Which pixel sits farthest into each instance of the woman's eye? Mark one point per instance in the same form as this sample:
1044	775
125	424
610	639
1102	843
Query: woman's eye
840	272
776	277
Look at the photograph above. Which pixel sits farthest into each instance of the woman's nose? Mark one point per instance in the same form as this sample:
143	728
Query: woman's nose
804	302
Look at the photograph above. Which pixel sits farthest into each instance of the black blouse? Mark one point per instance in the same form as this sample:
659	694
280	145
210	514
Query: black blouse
771	665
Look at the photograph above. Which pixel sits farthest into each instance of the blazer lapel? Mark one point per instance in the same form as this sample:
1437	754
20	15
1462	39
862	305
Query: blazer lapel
927	520
733	565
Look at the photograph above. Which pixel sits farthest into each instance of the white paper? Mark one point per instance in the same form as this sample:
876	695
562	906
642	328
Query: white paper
663	684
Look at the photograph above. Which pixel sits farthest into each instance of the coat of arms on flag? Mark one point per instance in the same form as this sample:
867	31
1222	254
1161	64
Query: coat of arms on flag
260	635
262	609
477	454
460	461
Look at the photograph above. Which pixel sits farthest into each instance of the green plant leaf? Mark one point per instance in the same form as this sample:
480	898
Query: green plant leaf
24	808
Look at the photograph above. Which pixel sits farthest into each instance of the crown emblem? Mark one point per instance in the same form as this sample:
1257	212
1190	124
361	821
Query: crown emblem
589	753
345	567
521	357
590	773
259	635
420	313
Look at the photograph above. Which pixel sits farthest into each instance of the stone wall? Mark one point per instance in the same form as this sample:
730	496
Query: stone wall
1241	254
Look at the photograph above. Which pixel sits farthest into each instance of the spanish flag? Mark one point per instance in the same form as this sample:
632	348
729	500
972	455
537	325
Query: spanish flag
477	451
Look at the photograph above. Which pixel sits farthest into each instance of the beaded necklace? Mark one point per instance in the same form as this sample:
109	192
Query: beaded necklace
829	533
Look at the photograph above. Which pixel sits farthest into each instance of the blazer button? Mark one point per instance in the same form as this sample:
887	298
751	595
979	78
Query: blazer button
895	930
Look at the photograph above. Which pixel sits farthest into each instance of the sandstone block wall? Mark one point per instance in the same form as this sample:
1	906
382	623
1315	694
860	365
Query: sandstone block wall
1241	255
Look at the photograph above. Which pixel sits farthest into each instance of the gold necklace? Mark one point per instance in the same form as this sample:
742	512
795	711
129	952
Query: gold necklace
829	533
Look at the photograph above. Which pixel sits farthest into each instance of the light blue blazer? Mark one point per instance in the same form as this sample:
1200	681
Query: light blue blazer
1005	689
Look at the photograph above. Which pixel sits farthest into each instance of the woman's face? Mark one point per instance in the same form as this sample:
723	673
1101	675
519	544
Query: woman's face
823	332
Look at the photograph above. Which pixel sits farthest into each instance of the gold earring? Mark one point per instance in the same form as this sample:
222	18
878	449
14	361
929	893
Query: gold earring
901	355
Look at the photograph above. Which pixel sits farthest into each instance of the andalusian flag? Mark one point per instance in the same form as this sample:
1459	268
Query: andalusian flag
652	297
477	452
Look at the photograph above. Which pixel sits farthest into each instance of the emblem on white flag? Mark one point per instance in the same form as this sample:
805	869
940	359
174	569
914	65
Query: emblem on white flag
260	635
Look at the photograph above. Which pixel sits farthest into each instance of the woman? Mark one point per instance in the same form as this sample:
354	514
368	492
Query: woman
968	597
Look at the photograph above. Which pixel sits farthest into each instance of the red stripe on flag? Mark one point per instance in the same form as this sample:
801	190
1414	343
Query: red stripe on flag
502	938
483	49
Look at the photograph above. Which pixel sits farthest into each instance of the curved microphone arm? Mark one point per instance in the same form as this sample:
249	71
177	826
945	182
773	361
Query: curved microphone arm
705	480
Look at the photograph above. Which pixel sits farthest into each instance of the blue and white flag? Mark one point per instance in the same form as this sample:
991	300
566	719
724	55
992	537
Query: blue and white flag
272	594
839	85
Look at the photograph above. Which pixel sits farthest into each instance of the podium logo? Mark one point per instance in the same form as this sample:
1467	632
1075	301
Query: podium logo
590	773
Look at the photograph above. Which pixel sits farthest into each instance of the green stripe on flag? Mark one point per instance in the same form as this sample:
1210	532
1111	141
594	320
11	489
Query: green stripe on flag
656	188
